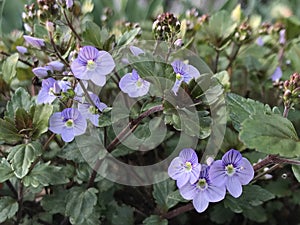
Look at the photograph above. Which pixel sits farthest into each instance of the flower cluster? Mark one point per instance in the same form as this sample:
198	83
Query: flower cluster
208	183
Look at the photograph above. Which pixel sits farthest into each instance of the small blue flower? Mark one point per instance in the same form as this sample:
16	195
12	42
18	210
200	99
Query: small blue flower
49	91
282	39
69	3
233	171
185	168
184	73
88	111
133	85
42	71
203	191
68	123
136	51
92	64
34	42
56	66
277	74
260	41
22	50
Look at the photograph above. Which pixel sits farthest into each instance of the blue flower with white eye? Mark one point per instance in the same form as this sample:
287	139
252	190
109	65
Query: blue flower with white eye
184	73
92	64
133	85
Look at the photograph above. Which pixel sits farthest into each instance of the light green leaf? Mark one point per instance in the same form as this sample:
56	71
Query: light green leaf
161	192
40	115
296	171
20	99
9	67
22	156
155	220
8	208
5	171
128	37
241	108
45	175
91	34
270	134
80	204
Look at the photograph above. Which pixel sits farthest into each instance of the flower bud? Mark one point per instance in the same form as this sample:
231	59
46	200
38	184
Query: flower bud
178	43
50	27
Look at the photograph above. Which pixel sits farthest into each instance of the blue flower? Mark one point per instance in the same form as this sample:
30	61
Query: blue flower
34	42
203	191
88	111
184	73
93	65
49	91
22	50
233	171
136	51
42	71
260	41
185	168
68	123
133	85
56	66
277	74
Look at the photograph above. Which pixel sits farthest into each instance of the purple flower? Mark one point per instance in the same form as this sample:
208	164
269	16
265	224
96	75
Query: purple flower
282	39
185	168
56	66
178	43
133	85
42	72
69	3
34	42
184	73
22	50
203	191
260	41
69	123
90	112
49	91
93	65
277	74
233	171
136	51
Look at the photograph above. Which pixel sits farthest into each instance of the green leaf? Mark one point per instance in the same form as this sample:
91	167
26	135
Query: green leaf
40	116
155	220
122	213
128	37
80	204
91	34
55	202
220	214
8	131
20	99
270	134
45	175
241	108
23	122
175	196
5	171
296	171
22	156
8	208
9	67
161	192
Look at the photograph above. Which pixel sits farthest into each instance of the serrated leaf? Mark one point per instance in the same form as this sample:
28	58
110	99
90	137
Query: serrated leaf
8	208
80	204
128	37
122	213
161	191
20	99
8	131
22	156
45	175
23	122
155	220
5	171
40	117
9	67
270	134
241	108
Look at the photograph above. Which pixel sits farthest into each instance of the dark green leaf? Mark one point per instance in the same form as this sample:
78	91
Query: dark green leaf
241	108
40	116
22	156
91	34
220	214
9	67
45	175
55	203
122	213
271	134
8	131
161	192
23	122
5	171
296	171
155	220
80	204
8	208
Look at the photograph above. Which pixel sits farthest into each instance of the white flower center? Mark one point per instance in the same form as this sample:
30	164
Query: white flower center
69	123
188	166
178	76
202	184
230	170
91	65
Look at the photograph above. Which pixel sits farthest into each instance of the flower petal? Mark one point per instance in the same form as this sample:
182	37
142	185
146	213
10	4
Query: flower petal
136	51
217	173
200	202
98	79
67	134
183	179
188	191
215	194
175	168
234	186
195	173
56	123
188	154
245	172
79	70
105	63
233	157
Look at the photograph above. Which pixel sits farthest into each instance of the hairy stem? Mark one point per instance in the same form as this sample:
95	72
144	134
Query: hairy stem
71	26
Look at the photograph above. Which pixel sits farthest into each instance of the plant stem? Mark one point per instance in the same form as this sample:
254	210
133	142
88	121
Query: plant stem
12	188
232	57
175	212
286	111
71	26
122	136
215	69
21	60
20	202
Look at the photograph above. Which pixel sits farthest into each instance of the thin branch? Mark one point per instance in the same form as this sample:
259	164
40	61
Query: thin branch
12	188
122	136
21	60
20	202
175	212
71	26
216	62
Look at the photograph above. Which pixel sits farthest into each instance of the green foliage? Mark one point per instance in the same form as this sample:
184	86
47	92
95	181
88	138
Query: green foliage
8	208
92	34
9	67
276	136
155	220
5	171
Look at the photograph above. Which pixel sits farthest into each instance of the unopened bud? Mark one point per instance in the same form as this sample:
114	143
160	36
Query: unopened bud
50	27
